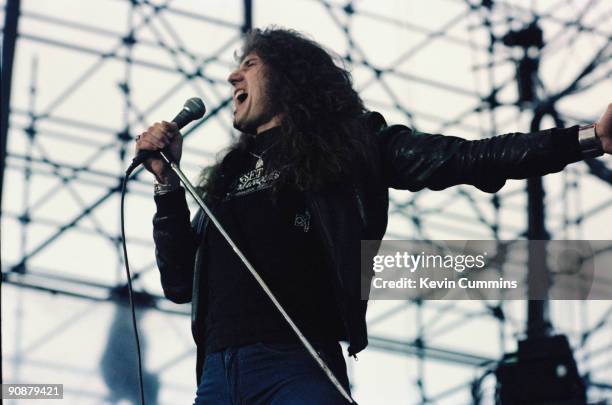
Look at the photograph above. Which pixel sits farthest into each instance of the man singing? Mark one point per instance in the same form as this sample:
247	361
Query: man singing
306	181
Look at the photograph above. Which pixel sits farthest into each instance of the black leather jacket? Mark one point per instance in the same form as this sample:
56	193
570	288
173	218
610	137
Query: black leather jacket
345	215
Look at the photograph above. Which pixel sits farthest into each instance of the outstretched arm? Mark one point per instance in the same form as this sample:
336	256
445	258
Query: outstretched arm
414	161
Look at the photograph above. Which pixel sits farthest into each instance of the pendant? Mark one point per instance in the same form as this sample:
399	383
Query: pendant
259	163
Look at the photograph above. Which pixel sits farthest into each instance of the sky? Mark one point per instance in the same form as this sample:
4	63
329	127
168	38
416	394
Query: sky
70	71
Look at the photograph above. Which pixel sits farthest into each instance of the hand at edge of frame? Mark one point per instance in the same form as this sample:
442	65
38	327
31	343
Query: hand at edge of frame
603	128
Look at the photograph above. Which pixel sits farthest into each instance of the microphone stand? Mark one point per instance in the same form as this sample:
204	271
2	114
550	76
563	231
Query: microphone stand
176	169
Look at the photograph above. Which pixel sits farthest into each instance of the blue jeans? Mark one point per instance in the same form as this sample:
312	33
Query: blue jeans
271	373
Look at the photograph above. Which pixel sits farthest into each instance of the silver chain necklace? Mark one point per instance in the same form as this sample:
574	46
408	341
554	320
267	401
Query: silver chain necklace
260	162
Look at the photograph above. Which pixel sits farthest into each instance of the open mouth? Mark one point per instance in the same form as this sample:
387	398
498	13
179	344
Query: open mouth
241	97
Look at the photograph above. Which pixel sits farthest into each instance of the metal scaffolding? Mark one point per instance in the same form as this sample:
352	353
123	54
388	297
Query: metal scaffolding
83	87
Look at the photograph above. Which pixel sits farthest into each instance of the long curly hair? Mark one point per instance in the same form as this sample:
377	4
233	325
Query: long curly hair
323	137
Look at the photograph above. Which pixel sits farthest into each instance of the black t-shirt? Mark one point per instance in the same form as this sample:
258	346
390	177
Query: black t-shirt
278	237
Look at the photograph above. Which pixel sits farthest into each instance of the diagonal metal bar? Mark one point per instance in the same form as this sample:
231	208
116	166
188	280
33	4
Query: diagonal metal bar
63	96
110	192
433	353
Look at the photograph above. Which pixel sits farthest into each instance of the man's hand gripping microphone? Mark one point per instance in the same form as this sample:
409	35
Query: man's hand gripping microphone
192	110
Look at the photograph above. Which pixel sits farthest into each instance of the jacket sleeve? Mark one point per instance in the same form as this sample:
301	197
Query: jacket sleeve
175	246
413	161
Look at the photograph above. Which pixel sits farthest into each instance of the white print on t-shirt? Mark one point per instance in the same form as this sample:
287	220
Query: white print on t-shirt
255	180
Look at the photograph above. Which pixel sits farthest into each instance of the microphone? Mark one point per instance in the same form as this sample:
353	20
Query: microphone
193	109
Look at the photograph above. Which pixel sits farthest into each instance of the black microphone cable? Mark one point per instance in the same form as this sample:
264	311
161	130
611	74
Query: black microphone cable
129	284
192	110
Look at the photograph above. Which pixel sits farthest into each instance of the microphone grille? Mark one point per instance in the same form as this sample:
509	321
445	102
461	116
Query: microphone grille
195	106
